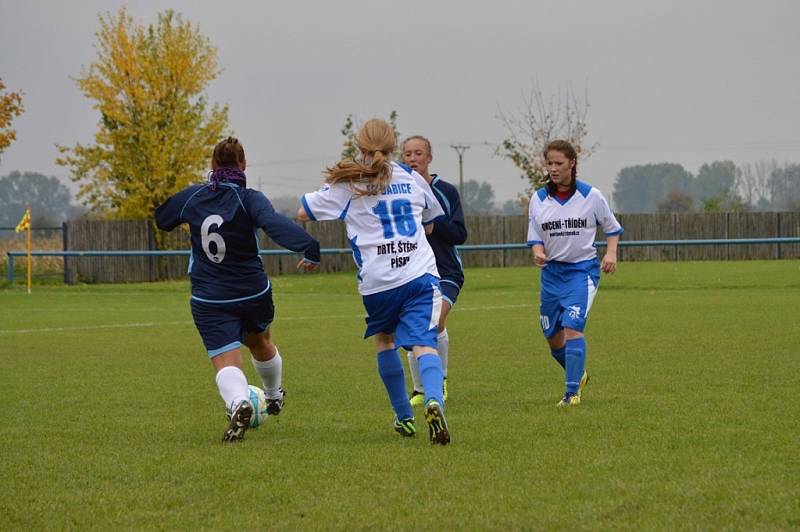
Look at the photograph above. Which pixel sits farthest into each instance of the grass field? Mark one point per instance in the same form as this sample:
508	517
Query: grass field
111	418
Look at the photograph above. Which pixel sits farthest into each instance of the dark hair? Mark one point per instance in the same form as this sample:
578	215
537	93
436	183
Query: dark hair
228	153
569	152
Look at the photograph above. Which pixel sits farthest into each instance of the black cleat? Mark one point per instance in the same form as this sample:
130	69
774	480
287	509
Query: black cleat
437	426
274	406
239	422
405	427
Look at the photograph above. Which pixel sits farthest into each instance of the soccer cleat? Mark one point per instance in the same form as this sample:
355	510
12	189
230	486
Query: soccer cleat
274	406
570	399
405	427
417	398
437	426
239	421
583	383
444	388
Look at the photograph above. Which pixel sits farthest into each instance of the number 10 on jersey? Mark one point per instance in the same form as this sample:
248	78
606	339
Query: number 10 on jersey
401	218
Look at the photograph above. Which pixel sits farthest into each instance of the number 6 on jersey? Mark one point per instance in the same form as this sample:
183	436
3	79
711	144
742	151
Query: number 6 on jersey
207	238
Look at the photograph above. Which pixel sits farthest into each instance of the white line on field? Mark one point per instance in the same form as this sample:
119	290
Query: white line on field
188	322
94	327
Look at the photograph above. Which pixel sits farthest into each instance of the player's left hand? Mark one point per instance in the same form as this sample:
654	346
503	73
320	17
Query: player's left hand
609	263
307	266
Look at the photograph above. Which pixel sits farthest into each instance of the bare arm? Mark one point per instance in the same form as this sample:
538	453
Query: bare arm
302	215
609	262
539	257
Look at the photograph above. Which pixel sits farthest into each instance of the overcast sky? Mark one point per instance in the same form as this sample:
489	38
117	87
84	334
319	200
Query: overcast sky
668	81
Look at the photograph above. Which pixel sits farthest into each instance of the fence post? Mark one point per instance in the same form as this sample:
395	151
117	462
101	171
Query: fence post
65	247
727	235
675	236
150	246
10	266
505	239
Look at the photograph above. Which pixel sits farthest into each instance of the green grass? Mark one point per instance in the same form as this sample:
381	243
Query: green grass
111	418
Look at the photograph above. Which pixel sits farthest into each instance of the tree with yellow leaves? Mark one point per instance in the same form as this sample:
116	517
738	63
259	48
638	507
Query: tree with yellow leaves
10	108
156	130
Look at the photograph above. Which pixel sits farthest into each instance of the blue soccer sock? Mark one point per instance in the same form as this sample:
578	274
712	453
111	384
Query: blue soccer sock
575	362
430	369
390	368
559	355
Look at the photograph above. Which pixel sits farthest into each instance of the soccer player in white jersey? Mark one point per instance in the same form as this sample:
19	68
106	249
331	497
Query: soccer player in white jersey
387	208
562	222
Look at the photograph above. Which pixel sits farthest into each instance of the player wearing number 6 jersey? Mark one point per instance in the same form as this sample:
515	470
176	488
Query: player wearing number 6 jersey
563	219
231	294
387	209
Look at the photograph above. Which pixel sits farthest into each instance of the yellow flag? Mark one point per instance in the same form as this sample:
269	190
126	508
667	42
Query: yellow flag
25	223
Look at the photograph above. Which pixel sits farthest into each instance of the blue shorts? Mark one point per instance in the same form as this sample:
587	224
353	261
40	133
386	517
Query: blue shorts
410	312
450	291
566	295
222	326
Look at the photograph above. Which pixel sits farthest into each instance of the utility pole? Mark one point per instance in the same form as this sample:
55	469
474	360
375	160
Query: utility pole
460	149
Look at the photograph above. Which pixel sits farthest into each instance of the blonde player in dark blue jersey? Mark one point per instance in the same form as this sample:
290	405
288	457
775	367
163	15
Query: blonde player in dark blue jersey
562	222
231	294
387	209
449	232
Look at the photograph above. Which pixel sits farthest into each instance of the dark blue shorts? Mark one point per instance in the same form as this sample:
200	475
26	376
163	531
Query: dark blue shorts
410	312
222	326
450	291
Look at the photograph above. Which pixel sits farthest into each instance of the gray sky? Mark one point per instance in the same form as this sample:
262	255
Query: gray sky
669	81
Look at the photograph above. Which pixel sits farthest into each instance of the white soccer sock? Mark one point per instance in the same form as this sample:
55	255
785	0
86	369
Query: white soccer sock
413	366
444	346
271	373
232	385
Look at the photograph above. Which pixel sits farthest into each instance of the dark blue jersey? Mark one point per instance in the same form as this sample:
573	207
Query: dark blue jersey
223	223
448	232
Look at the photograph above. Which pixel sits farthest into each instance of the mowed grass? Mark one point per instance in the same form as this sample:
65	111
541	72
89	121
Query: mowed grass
111	417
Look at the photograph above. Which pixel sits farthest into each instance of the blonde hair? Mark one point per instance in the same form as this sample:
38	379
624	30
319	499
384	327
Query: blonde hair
377	141
421	138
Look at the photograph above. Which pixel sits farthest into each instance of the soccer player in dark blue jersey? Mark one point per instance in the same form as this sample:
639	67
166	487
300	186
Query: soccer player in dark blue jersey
231	294
449	231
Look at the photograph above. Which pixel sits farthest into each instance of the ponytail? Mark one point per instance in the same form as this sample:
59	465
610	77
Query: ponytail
376	140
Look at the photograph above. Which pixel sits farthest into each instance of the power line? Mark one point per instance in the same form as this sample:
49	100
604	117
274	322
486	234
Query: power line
295	161
701	147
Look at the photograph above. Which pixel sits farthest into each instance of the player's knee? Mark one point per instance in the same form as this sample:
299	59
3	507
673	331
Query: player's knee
384	341
262	348
571	334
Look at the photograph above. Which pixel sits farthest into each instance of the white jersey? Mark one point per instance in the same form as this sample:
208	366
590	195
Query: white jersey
567	230
384	230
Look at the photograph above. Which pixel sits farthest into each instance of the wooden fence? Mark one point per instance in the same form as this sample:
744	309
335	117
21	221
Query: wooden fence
138	235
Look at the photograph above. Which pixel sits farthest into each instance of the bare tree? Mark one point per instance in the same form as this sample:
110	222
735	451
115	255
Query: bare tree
752	182
542	119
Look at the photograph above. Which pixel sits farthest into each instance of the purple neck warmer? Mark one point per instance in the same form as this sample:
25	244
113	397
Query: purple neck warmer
231	175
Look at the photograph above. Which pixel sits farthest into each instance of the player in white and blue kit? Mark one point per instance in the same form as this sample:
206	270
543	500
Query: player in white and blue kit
387	208
231	294
562	223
